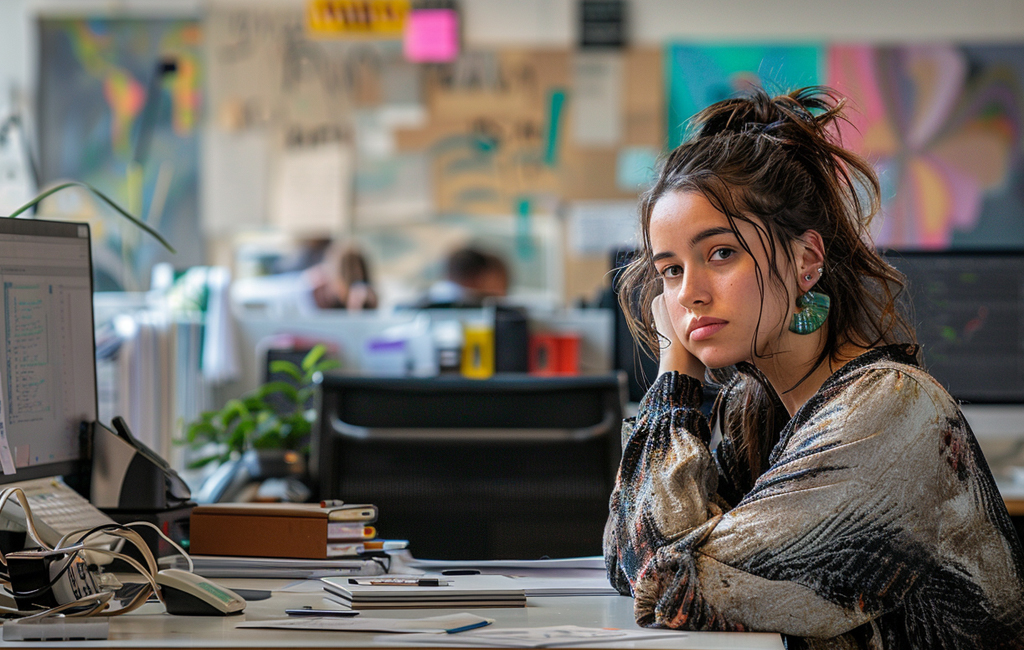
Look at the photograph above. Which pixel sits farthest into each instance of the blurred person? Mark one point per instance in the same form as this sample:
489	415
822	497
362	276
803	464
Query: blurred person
471	276
341	280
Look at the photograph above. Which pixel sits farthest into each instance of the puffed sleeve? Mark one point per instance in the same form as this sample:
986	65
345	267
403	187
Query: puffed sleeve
843	528
666	479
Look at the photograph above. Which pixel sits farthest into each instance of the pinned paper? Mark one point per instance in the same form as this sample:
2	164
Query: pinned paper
312	188
635	168
597	119
6	461
599	227
432	36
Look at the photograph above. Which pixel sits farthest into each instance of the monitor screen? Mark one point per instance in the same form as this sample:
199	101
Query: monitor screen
47	347
969	313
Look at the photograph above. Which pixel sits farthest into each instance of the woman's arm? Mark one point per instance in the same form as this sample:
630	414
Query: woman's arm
841	530
666	479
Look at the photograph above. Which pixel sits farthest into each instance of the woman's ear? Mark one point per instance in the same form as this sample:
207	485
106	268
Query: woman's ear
809	256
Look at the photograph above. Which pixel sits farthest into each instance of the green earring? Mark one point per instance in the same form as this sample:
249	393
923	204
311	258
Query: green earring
813	312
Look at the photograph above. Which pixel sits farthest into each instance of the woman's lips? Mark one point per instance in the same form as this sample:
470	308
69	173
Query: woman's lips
702	332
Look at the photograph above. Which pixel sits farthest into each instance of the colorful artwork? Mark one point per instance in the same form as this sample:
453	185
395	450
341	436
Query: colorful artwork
942	124
96	76
699	75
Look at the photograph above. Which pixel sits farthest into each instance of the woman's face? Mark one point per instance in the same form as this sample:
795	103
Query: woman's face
710	282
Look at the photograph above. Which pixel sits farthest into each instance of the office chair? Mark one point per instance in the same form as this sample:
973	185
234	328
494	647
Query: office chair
512	467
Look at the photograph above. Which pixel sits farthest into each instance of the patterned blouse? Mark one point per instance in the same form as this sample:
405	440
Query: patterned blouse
876	525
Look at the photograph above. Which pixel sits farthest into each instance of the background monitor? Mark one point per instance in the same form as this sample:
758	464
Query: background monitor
968	307
47	348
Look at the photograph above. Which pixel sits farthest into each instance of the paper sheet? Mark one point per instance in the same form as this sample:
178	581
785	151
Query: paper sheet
598	227
538	637
597	99
6	461
312	189
428	626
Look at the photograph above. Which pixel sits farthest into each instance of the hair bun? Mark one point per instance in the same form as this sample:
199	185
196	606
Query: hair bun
755	111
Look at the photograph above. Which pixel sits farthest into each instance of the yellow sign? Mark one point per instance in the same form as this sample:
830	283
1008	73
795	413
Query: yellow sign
382	18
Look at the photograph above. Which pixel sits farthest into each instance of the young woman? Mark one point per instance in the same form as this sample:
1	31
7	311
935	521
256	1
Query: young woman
847	504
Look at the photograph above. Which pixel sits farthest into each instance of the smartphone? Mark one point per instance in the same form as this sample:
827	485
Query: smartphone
309	611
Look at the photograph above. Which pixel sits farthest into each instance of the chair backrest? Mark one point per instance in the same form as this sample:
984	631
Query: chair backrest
512	467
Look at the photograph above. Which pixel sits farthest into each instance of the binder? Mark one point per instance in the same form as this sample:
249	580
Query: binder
274	530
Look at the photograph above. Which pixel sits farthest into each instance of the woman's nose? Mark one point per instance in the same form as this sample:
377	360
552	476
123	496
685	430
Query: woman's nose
693	289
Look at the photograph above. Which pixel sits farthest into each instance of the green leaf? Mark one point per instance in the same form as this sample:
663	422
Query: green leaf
124	213
269	440
199	462
281	387
327	364
287	367
313	356
201	431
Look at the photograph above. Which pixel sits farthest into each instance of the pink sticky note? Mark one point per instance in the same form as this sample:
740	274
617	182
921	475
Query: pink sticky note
431	35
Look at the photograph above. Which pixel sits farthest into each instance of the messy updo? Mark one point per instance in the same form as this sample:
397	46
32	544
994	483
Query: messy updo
778	164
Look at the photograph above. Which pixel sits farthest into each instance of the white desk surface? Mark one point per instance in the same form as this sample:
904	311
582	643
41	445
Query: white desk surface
150	627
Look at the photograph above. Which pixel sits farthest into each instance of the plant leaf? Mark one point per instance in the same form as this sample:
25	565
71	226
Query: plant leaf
124	213
281	387
313	356
287	367
199	462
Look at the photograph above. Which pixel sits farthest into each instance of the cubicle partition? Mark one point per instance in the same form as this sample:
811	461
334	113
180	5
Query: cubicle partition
510	467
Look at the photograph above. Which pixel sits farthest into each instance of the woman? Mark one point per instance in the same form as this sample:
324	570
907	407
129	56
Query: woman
848	504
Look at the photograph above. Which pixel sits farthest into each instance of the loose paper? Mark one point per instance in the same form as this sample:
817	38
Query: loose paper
312	189
597	99
6	461
599	227
538	637
428	626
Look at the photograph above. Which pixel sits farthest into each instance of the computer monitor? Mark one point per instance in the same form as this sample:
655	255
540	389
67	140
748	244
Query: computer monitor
47	347
968	307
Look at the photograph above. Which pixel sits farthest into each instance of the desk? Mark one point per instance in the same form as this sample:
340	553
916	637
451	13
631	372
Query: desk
149	627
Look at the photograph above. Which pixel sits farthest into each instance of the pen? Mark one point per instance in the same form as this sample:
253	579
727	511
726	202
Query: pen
471	626
401	582
307	610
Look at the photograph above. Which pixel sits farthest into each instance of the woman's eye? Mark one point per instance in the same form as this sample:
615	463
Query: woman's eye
722	254
673	271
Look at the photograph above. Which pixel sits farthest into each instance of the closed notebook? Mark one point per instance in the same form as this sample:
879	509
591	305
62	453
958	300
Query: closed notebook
402	592
273	529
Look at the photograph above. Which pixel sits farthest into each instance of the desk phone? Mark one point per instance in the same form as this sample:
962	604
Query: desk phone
56	511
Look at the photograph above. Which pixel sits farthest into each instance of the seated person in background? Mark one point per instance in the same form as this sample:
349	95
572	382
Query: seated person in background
848	504
341	280
471	275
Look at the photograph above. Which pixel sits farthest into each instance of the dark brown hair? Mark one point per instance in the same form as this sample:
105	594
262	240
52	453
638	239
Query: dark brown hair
778	164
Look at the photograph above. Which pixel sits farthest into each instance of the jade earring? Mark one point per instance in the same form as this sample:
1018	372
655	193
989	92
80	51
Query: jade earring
813	312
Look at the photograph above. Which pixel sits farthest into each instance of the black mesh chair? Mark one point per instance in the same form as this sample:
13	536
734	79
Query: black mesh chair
513	467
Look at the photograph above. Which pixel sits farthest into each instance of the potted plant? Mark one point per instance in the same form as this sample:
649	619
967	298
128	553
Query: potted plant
61	185
262	433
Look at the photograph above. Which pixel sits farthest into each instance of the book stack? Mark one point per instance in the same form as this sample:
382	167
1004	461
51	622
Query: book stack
282	530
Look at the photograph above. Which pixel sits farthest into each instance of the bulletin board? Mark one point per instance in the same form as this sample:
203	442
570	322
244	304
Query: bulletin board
942	123
501	136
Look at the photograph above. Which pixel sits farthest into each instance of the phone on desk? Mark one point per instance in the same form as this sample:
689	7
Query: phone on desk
56	511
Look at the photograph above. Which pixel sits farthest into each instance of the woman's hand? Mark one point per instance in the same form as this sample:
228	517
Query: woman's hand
673	355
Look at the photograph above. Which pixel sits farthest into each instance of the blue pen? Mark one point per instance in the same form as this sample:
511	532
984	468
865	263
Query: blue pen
471	626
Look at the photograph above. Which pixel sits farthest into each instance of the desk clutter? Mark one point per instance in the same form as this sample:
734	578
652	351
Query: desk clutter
282	530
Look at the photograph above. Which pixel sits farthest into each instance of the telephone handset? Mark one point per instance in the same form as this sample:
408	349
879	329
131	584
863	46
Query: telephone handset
128	475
